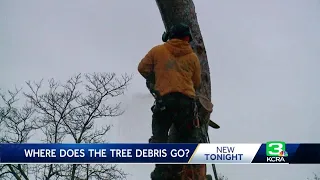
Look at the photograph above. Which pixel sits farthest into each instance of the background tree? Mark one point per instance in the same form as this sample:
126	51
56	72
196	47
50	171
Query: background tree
66	112
315	177
177	11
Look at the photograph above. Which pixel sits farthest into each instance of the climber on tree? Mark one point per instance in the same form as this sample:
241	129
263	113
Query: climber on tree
176	72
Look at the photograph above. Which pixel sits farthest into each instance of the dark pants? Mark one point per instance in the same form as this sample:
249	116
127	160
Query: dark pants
179	112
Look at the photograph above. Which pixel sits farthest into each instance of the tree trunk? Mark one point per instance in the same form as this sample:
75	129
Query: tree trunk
183	11
177	11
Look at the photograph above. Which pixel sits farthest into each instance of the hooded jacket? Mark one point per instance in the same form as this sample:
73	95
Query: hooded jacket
175	65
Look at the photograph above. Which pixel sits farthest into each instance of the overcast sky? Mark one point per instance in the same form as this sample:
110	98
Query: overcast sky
263	56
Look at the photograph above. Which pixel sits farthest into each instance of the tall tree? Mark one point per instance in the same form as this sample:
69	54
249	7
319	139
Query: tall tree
177	11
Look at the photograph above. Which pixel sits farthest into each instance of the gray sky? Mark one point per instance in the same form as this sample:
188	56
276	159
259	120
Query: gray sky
263	57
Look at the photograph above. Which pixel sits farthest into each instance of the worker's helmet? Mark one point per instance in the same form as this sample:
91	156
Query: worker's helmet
177	31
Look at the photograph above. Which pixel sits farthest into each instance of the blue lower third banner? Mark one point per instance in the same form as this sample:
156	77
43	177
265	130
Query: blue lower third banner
270	152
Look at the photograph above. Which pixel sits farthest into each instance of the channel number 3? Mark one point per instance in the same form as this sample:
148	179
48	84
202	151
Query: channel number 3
274	148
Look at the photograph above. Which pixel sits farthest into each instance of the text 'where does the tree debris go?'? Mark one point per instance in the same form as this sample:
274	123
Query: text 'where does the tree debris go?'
270	152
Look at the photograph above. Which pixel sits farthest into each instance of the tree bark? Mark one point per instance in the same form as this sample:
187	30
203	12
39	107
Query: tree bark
176	11
183	11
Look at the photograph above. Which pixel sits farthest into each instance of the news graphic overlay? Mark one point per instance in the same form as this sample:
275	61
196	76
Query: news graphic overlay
128	153
276	151
288	153
96	153
224	153
272	152
240	153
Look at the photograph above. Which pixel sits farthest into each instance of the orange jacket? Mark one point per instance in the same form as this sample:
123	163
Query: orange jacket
176	67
